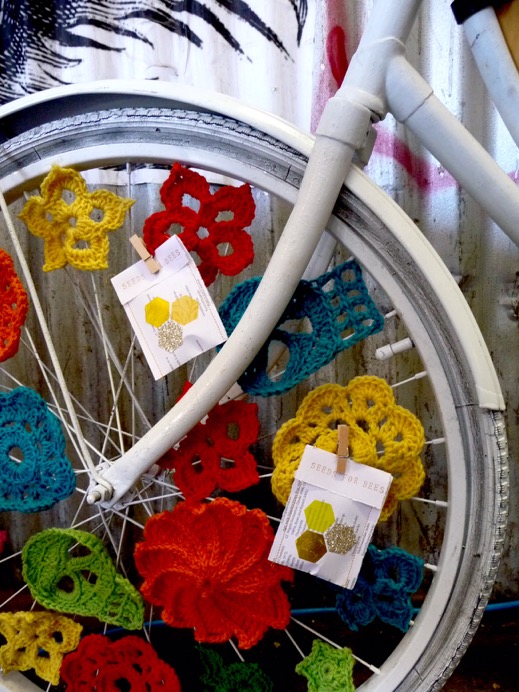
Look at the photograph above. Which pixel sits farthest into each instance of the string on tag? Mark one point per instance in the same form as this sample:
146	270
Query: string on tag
342	448
143	253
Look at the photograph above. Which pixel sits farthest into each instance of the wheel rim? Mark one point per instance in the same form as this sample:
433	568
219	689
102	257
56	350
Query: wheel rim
440	593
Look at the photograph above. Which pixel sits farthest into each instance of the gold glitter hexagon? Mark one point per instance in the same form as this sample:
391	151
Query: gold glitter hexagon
184	310
310	546
157	312
340	539
170	336
319	515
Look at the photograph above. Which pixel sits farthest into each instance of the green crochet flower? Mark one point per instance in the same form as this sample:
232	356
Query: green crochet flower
327	669
71	571
236	677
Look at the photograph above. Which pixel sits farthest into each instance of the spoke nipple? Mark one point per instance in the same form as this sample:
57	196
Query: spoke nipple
389	350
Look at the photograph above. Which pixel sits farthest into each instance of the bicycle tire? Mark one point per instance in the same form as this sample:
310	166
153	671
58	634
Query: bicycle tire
476	516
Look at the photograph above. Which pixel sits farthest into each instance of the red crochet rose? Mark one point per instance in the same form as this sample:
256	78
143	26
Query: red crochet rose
200	462
207	566
13	307
100	665
221	242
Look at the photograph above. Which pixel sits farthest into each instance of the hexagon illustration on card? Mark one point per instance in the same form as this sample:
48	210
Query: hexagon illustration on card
184	310
157	312
319	515
310	546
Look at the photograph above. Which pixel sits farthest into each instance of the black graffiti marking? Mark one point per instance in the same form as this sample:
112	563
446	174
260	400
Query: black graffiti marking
243	10
301	10
34	30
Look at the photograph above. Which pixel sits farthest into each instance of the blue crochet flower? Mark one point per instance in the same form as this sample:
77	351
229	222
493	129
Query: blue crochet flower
337	310
385	584
34	471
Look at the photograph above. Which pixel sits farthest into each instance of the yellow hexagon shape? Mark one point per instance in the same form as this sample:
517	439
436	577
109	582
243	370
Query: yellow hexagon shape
319	515
157	312
310	546
184	310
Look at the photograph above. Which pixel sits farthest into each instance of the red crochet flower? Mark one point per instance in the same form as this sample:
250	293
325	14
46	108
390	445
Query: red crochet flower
207	566
100	665
215	454
221	243
13	307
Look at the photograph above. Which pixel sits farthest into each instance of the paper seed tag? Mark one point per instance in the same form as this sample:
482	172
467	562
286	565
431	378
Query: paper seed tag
170	311
330	517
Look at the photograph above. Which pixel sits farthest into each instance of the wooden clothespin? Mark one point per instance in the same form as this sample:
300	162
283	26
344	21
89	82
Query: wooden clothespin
342	448
143	253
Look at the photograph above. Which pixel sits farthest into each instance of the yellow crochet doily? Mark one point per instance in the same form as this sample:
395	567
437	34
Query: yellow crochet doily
65	216
38	641
382	434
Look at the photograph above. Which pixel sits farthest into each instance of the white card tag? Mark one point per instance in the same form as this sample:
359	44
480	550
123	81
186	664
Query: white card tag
329	518
171	311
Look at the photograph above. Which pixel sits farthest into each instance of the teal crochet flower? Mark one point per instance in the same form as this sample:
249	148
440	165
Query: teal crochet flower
338	311
328	669
384	587
236	677
34	471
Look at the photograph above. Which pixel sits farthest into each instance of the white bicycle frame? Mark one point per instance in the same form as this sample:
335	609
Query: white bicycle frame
379	80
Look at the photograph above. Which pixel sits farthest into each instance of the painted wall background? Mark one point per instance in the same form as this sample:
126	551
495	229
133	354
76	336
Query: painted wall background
286	56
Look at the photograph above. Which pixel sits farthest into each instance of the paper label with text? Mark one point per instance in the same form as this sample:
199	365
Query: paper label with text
171	312
330	517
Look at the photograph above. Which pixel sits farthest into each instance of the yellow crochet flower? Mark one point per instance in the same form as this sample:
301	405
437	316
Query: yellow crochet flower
70	232
37	640
381	434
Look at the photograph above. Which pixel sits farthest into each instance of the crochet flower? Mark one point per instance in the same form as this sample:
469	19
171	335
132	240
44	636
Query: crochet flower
71	571
71	233
207	566
332	312
37	641
215	231
215	454
13	307
35	474
242	677
381	434
100	665
383	589
327	668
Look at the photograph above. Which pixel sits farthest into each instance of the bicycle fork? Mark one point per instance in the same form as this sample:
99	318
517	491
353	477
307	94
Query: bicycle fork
343	130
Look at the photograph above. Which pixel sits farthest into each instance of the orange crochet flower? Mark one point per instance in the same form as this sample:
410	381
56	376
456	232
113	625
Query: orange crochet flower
200	462
215	231
207	566
13	307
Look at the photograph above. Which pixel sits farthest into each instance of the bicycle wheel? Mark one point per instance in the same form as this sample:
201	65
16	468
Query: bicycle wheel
457	529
